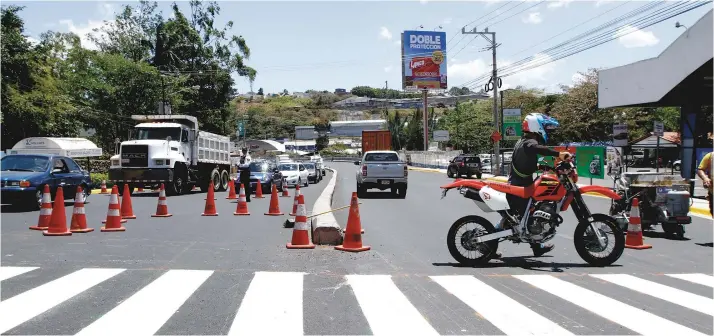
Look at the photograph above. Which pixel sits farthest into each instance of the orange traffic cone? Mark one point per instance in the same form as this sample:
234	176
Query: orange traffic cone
353	232
58	222
45	211
78	223
285	189
242	208
114	220
274	209
301	236
127	212
259	190
634	239
231	190
295	201
210	209
104	187
162	209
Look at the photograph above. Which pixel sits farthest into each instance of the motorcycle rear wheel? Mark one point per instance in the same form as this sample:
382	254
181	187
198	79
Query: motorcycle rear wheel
490	246
581	244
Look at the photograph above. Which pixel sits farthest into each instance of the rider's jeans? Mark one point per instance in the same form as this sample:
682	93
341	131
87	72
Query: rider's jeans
519	204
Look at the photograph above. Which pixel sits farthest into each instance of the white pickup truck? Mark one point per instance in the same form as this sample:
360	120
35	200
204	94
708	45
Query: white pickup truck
382	170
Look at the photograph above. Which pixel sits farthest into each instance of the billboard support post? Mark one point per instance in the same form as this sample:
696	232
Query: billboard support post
425	117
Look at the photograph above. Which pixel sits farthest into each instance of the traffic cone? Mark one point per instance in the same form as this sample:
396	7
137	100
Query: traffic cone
45	211
274	209
78	223
301	236
295	202
353	233
242	208
104	187
210	209
285	189
162	209
114	220
259	190
127	212
231	190
634	239
58	221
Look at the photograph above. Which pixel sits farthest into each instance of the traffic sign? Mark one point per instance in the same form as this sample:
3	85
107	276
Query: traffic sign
241	128
495	136
658	128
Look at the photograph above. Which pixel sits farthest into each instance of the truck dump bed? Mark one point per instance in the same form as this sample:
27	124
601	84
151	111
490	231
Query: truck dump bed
213	148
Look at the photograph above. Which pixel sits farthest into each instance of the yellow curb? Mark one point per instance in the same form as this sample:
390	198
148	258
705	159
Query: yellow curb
700	211
426	170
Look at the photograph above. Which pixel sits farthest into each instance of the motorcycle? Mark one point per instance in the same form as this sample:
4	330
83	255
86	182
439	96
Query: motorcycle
553	192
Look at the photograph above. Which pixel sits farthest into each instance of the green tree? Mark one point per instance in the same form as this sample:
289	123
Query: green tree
470	125
260	91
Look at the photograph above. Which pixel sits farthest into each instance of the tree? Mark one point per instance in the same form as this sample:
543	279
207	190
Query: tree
455	91
260	91
470	125
285	92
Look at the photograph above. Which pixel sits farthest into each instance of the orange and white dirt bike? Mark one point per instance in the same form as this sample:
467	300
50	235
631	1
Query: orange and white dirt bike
598	239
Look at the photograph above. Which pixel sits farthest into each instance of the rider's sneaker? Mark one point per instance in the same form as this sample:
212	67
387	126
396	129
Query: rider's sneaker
541	250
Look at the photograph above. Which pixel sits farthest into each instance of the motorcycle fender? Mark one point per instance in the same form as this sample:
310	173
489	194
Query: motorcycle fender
600	190
494	199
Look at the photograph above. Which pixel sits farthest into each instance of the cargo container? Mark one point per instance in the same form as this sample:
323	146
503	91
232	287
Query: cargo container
376	140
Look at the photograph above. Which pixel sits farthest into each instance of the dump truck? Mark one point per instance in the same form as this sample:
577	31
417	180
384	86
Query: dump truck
170	149
376	141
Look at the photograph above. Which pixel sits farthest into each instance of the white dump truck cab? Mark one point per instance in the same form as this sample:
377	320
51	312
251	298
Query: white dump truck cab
170	149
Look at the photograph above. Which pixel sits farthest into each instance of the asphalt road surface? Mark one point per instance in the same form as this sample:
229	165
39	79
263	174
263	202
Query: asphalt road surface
189	274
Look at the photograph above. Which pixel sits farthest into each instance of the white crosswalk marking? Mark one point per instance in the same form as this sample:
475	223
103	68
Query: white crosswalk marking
630	317
146	311
7	272
680	297
503	312
271	306
387	310
698	278
19	309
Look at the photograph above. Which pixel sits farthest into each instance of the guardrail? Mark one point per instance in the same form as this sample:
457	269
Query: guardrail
430	159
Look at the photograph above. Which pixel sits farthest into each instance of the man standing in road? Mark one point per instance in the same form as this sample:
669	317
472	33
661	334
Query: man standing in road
705	172
244	171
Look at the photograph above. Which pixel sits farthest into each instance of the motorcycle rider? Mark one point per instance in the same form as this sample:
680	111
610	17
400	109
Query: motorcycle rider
524	163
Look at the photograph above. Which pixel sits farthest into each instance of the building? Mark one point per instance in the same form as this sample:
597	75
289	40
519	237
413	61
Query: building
341	92
354	128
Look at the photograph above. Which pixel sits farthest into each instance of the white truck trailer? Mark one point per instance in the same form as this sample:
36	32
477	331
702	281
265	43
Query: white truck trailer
170	149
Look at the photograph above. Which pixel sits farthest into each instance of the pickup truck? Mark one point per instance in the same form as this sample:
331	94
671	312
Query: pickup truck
382	170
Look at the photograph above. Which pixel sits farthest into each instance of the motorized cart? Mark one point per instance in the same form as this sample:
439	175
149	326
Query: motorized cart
664	200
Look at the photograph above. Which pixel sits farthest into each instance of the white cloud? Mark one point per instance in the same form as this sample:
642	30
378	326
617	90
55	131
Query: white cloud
533	18
388	68
33	40
466	71
384	33
603	2
631	37
491	2
559	3
423	2
448	21
577	78
106	11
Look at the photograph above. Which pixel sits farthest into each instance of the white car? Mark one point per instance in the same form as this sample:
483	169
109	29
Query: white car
294	173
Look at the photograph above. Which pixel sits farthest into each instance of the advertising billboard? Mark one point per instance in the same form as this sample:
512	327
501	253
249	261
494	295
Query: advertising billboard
512	124
591	162
423	60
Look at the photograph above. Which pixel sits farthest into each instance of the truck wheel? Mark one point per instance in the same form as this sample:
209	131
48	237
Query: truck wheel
224	181
216	178
178	185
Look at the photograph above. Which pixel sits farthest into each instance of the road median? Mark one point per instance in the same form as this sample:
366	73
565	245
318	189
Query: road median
325	229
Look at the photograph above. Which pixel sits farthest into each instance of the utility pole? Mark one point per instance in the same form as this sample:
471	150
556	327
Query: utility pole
494	84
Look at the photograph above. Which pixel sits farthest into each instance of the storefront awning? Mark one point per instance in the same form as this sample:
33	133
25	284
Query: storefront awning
70	147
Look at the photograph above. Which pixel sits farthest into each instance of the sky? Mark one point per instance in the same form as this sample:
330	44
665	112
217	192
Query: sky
324	45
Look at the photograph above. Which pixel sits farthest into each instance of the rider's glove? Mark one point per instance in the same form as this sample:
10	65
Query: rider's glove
564	156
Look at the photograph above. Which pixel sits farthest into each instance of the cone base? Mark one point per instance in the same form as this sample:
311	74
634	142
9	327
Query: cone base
352	249
209	214
47	233
104	221
274	213
285	196
157	215
292	214
302	247
638	247
231	198
128	217
345	231
39	228
81	230
258	197
121	228
241	214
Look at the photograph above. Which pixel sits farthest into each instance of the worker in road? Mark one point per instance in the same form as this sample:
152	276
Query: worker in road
705	171
244	171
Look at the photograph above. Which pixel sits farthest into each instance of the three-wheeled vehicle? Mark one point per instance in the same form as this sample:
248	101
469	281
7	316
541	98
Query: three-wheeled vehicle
664	200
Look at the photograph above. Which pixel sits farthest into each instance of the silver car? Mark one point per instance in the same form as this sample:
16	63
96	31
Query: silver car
313	175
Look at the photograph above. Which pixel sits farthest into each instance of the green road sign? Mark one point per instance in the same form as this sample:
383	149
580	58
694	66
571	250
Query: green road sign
241	128
512	128
590	162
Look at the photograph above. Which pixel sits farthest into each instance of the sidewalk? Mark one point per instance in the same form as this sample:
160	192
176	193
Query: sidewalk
699	206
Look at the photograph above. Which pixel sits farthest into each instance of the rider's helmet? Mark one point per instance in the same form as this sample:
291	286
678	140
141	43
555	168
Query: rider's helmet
540	124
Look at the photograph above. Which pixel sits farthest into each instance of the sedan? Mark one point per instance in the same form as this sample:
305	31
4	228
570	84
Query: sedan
294	174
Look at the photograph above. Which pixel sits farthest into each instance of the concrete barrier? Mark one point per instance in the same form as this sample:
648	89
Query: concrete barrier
325	229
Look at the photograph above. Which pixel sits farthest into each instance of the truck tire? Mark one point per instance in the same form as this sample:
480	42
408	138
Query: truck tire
216	179
224	180
179	183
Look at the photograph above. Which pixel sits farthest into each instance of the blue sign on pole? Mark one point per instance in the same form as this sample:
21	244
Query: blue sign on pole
241	128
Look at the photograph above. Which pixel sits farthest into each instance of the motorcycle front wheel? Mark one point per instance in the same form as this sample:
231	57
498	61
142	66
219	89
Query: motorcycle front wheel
589	249
458	240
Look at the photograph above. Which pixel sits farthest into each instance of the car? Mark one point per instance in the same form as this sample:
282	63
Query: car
382	170
318	159
465	164
24	177
313	175
264	173
294	174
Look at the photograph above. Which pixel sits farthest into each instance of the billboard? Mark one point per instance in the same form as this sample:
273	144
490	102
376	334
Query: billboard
512	124
423	60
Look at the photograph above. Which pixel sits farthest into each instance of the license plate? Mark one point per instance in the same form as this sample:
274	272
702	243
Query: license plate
385	182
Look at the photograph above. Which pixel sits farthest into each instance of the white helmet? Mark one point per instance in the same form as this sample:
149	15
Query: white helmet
540	124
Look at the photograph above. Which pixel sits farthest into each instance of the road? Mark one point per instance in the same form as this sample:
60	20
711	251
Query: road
233	275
